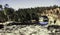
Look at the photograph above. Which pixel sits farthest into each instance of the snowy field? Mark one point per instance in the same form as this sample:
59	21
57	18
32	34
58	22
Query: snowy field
24	30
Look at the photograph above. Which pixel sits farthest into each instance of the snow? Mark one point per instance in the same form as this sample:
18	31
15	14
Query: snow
26	30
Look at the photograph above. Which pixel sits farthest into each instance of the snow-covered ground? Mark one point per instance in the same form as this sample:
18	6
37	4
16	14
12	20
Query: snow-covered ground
24	30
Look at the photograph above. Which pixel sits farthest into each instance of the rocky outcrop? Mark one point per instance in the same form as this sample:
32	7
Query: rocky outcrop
53	15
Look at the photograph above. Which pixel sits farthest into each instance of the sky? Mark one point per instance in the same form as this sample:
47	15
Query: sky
16	4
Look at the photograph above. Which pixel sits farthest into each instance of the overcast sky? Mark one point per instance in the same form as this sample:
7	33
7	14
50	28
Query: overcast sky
29	3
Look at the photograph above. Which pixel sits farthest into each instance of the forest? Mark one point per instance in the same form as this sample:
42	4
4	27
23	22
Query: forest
27	14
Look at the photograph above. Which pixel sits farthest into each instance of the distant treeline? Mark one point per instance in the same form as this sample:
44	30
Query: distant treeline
21	15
